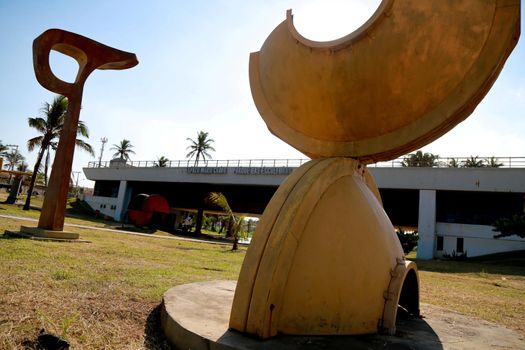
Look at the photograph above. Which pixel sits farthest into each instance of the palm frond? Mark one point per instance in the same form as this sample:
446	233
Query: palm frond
55	112
237	227
38	123
85	146
82	129
34	142
191	154
218	199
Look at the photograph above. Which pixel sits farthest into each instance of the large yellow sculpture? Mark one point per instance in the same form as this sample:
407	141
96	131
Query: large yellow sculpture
325	259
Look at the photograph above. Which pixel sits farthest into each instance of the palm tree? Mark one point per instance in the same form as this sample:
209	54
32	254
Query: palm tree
22	166
473	162
492	162
220	200
52	146
200	147
50	125
420	159
123	149
453	163
162	162
14	159
40	180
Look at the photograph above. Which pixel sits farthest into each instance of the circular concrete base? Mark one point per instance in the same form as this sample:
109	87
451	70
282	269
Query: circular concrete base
45	235
195	316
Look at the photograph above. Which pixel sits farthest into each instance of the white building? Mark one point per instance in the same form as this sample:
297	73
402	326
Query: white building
452	208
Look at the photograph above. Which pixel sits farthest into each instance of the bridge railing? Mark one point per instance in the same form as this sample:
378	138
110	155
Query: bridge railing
441	162
230	163
458	162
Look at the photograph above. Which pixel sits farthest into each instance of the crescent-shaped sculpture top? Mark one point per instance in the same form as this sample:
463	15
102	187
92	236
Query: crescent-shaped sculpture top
407	76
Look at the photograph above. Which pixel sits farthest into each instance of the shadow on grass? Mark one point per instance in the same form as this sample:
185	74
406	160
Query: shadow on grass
511	263
154	338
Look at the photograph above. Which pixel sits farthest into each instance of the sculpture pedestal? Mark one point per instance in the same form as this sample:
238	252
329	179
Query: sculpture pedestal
195	316
325	259
45	235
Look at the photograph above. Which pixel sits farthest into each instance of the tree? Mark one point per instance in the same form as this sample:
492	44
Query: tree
515	225
22	166
162	162
408	239
40	179
420	159
50	125
51	146
473	162
3	149
220	200
14	159
200	147
123	149
492	162
453	163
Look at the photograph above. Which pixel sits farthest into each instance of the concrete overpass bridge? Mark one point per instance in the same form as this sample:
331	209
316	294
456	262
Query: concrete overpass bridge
452	208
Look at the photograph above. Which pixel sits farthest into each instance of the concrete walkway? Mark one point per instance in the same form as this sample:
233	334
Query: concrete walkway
149	235
196	316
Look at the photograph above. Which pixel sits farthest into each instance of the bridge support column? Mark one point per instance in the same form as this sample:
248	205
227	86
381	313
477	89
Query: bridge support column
120	210
426	224
198	221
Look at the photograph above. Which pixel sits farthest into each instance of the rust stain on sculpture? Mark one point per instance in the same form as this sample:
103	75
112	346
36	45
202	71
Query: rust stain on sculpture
90	55
325	259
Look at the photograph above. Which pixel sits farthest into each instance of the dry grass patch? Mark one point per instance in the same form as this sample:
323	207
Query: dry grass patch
105	294
488	291
101	295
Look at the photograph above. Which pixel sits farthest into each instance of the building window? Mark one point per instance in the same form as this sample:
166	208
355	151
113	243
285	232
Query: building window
459	245
439	244
476	208
106	188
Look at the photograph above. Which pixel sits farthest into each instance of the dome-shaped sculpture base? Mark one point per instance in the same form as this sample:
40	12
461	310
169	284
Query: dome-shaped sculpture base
325	259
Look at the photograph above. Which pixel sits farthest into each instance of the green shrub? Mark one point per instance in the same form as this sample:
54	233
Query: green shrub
408	240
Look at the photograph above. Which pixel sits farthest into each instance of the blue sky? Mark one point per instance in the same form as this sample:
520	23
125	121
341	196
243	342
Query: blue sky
193	75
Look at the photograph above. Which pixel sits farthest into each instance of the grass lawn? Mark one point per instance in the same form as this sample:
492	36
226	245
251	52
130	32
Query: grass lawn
105	294
493	290
102	294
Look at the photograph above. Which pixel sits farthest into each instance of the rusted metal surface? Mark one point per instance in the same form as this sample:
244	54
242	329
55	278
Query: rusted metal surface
90	55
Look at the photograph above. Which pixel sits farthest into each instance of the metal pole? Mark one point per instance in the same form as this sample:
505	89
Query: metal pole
103	140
